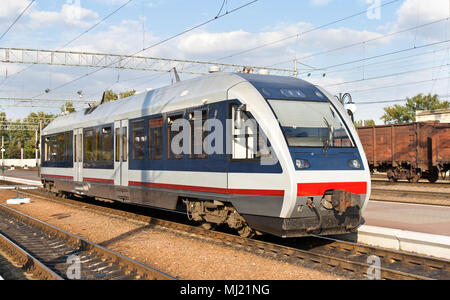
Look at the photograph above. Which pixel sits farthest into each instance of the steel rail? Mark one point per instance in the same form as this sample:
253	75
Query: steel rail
439	184
340	256
410	196
125	266
26	261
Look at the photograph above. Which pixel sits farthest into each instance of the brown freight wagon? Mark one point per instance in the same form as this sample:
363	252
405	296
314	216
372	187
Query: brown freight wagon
408	151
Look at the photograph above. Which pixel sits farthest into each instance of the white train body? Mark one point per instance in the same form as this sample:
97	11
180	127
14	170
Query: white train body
315	179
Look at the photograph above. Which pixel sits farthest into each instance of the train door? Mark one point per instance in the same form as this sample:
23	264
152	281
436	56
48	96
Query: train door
121	153
78	154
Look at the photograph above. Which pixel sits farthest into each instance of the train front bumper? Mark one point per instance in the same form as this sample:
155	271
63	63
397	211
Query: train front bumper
335	212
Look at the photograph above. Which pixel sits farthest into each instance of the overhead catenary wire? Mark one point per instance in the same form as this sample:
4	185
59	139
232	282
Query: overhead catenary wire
381	63
74	39
381	55
153	45
306	32
396	85
363	42
17	19
392	101
388	75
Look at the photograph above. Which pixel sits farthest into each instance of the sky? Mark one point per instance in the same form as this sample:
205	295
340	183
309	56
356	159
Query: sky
375	50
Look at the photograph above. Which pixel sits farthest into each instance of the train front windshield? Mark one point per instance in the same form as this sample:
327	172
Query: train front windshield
311	124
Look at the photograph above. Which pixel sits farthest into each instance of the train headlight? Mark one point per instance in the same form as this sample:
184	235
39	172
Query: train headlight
354	164
302	164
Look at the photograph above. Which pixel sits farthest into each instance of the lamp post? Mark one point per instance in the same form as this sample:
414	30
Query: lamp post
349	106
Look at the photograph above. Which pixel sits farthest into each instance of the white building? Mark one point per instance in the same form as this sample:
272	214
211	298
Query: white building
439	115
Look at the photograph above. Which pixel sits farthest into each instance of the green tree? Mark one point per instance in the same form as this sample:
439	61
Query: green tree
399	114
364	123
24	130
127	94
68	107
110	96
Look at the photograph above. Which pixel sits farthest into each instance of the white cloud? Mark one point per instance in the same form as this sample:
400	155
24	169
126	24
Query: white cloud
69	15
9	9
416	12
320	2
215	45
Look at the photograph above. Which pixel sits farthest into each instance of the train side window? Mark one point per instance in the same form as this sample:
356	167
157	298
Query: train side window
53	148
155	138
249	142
245	135
139	139
117	144
68	153
122	130
88	145
97	144
171	134
125	144
46	155
107	144
60	147
197	129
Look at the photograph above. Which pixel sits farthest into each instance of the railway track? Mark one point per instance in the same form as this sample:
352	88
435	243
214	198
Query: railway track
46	252
17	264
348	259
382	193
383	177
384	182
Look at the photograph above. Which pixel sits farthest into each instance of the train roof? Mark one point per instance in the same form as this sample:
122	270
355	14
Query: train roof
181	95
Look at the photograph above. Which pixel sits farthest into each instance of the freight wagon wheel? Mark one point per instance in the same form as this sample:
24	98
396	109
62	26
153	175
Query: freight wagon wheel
391	176
434	175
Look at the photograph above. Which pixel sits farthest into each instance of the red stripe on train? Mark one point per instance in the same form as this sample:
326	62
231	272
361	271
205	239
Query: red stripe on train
99	180
318	189
209	189
57	176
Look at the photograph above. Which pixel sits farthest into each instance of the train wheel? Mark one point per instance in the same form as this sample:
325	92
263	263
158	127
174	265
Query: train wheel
246	232
434	175
391	176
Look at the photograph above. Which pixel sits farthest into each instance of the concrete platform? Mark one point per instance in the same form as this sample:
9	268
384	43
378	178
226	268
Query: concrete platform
401	240
429	219
31	174
36	183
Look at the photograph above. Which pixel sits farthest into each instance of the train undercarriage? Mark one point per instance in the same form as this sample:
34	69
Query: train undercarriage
209	214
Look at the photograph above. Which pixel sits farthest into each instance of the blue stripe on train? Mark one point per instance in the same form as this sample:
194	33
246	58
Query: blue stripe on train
335	159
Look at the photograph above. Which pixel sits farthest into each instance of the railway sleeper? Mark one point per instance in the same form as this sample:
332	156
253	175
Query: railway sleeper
213	213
